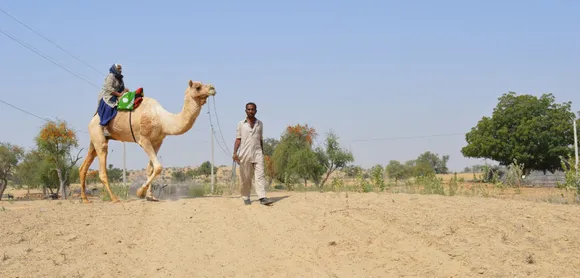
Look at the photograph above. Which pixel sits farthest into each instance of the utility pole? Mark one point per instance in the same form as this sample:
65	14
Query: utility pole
575	145
211	138
212	162
124	164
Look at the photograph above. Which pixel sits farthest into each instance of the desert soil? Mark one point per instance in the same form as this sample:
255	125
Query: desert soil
301	235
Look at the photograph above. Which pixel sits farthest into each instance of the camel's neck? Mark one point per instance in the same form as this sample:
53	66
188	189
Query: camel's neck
177	124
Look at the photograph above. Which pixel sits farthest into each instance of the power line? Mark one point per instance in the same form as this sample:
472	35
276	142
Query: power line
213	131
409	137
34	115
45	57
218	124
53	43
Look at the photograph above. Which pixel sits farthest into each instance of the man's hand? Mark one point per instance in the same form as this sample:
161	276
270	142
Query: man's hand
236	158
126	90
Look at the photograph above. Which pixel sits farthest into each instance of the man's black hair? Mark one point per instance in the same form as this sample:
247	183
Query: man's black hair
251	103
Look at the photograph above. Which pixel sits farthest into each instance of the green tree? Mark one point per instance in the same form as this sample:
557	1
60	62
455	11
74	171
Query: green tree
396	170
439	165
114	174
204	169
28	171
269	147
56	141
10	155
535	131
378	176
294	148
418	168
332	156
305	165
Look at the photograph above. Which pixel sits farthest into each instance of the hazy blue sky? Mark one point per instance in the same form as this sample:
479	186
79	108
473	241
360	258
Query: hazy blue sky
376	69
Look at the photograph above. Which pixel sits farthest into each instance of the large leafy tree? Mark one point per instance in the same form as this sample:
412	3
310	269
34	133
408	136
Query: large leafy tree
10	155
56	142
396	170
295	156
293	152
439	165
269	147
535	131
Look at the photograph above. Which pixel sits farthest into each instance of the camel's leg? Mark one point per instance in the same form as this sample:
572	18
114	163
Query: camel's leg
84	169
145	189
102	153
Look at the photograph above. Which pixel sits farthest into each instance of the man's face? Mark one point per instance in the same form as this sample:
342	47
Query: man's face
251	111
119	69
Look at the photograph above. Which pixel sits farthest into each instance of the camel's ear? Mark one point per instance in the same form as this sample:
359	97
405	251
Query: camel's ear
197	85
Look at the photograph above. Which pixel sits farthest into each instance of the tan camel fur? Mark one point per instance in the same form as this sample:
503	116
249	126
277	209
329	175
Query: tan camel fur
151	123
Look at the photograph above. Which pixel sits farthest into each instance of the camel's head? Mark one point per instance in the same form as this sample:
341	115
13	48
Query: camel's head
200	92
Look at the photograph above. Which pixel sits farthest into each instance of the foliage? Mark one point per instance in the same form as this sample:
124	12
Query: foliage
295	157
431	184
10	155
535	131
572	180
204	170
514	174
439	165
378	177
114	174
396	170
294	146
419	168
305	165
332	156
269	147
55	142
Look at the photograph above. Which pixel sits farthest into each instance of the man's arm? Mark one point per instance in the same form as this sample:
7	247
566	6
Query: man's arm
237	143
262	138
109	86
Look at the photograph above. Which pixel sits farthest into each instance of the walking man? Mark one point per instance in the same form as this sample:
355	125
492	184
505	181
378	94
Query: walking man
250	143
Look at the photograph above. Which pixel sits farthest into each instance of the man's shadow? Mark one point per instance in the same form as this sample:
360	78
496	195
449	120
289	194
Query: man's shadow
274	199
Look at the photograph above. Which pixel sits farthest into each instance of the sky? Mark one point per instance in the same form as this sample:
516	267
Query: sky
371	71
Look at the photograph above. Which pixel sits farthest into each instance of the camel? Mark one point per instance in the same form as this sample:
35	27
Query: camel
150	124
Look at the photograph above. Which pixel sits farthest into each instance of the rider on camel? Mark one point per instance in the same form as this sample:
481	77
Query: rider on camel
113	89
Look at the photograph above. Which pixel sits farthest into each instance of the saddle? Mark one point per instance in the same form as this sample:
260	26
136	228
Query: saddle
131	100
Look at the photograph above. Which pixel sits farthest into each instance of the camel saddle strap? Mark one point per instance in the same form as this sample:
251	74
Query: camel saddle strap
131	126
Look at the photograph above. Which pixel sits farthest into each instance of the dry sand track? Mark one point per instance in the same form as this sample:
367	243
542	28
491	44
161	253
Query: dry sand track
302	235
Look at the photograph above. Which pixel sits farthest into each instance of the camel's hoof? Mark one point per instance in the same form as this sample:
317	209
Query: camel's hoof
115	200
86	201
141	193
152	199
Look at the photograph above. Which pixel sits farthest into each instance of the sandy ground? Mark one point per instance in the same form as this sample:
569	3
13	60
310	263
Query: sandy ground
301	235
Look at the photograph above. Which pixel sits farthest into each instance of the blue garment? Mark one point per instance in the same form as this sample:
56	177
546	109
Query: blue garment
106	112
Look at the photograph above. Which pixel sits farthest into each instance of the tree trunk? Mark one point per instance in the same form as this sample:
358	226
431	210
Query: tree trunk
62	182
3	185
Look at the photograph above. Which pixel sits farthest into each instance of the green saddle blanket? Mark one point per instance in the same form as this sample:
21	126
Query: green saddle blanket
128	100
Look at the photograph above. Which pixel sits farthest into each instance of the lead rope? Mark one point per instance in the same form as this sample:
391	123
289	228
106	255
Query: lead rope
232	187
